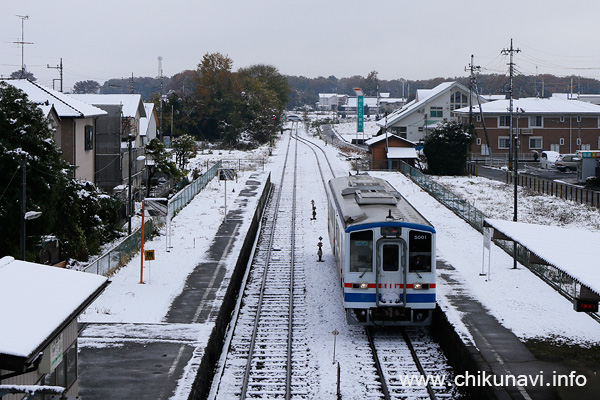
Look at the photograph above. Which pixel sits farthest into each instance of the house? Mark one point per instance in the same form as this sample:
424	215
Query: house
331	101
125	119
387	150
149	124
427	110
554	123
38	339
76	125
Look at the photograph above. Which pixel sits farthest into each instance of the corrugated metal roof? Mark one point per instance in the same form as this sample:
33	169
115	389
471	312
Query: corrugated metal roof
573	251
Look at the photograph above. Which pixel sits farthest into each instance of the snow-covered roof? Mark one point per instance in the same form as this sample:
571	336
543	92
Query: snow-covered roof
379	138
572	251
423	96
65	106
401	152
36	300
132	103
536	106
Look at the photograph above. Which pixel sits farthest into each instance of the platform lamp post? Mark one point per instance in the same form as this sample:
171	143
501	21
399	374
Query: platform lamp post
29	215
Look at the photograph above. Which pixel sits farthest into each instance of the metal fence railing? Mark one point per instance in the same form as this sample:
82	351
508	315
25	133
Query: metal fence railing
185	195
120	255
552	275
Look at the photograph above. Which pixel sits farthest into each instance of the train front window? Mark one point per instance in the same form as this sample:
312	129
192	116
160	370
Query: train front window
419	251
390	257
361	251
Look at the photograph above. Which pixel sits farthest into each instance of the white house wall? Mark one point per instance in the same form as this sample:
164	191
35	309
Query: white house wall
84	159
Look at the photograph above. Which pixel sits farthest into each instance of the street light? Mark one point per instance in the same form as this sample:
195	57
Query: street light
28	216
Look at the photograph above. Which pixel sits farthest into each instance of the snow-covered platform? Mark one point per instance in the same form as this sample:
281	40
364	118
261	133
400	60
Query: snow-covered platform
134	345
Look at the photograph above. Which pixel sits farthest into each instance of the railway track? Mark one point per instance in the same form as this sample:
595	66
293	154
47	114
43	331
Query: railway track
267	352
410	365
268	355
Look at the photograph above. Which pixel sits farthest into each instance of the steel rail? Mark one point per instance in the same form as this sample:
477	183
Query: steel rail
246	379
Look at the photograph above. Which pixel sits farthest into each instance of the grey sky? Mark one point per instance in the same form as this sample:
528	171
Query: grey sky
423	39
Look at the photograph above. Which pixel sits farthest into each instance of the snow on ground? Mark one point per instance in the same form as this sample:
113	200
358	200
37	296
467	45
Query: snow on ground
126	300
495	199
517	298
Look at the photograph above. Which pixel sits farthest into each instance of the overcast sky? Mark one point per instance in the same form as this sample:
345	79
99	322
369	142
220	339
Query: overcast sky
99	40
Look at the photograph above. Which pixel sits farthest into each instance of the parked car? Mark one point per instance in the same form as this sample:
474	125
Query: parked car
567	162
548	158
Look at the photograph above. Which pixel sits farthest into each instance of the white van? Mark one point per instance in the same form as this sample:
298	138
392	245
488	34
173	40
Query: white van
548	158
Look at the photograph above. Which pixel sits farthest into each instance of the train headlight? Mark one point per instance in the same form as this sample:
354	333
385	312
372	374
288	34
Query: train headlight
421	286
362	285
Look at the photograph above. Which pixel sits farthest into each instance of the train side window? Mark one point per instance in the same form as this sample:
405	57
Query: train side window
390	257
361	251
419	251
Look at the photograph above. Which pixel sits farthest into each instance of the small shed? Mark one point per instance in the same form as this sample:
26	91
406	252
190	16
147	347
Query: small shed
387	150
40	307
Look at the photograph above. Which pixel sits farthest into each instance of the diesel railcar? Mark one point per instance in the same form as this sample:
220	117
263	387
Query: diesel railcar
384	251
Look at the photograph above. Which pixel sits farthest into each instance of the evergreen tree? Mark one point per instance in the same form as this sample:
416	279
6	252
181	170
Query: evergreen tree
447	148
75	212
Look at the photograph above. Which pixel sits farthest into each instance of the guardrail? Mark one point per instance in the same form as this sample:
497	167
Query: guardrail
550	274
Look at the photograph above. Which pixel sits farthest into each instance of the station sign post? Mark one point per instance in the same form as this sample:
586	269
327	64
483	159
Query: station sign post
359	112
226	174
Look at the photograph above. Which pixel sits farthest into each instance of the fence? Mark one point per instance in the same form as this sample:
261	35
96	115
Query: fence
562	190
124	251
553	276
121	253
185	195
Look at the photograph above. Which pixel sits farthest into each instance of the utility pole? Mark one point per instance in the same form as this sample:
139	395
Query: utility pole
23	203
60	69
472	69
132	87
22	43
511	51
511	65
160	101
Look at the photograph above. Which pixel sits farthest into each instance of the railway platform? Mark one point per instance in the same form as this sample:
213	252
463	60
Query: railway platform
498	352
159	360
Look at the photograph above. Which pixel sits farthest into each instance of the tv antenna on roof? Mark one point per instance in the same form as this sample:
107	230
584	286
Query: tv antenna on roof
22	42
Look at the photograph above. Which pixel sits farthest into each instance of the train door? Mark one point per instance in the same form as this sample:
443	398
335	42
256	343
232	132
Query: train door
391	273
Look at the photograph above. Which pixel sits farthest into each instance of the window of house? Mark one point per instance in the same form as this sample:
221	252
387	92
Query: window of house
458	100
555	147
503	142
586	147
561	141
478	118
578	141
535	143
504	121
89	137
562	118
402	131
578	118
437	112
536	121
478	141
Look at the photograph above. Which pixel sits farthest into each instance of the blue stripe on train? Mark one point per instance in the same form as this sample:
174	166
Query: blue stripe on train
371	297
